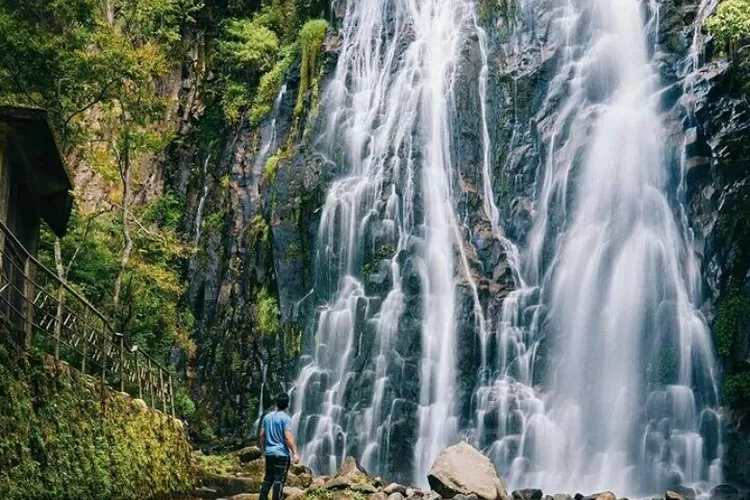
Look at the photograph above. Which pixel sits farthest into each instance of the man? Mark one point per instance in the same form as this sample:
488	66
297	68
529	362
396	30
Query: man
277	441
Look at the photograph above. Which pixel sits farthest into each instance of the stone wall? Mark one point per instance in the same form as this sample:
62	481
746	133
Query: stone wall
61	437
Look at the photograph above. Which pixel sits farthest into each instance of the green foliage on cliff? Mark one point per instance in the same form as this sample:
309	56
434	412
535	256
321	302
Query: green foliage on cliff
730	25
311	41
737	390
733	308
268	315
58	439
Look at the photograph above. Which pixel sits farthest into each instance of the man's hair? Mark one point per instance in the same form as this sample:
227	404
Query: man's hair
282	401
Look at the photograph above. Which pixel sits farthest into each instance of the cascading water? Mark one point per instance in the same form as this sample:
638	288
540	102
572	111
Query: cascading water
607	284
391	219
631	385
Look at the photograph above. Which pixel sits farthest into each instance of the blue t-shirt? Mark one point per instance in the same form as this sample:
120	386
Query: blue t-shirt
275	425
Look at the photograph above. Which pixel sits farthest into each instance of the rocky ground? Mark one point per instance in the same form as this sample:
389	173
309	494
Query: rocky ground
459	473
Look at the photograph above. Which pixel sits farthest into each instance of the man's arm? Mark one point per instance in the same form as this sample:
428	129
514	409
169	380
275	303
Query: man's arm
289	438
262	438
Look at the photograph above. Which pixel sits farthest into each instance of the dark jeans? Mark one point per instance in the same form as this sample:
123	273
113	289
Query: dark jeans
276	469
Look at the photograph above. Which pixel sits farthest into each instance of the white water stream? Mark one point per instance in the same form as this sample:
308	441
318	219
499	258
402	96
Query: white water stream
628	377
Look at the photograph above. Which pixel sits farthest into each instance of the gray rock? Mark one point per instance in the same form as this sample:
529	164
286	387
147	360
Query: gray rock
684	491
471	496
461	469
394	488
528	494
673	495
378	496
349	475
291	493
562	496
248	454
363	488
396	496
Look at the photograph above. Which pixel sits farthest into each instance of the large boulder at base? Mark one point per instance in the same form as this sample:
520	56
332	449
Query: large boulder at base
462	470
350	474
683	491
604	495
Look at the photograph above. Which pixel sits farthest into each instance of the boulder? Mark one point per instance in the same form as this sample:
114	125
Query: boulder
245	496
292	493
349	474
470	496
462	470
528	494
673	495
396	496
394	488
561	496
684	491
363	488
378	496
728	492
248	454
320	482
604	495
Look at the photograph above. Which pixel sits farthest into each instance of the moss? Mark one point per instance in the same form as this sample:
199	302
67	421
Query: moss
318	494
218	464
268	315
235	99
271	168
59	439
311	41
270	86
734	306
260	230
665	368
737	390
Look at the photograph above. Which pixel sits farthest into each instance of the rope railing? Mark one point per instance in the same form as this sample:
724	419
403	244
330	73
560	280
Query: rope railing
52	316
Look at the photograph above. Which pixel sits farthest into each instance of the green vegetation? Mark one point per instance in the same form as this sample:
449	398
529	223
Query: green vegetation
108	72
311	41
270	169
737	390
59	440
220	465
733	308
730	25
268	315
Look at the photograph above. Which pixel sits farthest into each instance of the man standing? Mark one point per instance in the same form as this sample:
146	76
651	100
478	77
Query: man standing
277	441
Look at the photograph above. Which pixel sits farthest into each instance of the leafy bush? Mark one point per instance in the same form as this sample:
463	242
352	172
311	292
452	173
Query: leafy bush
731	23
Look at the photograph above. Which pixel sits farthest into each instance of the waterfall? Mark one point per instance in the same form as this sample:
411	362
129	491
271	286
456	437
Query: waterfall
389	220
597	372
629	378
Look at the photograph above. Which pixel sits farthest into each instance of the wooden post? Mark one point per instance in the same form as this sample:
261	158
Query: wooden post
138	373
162	391
83	359
58	322
28	305
122	362
85	339
171	395
151	384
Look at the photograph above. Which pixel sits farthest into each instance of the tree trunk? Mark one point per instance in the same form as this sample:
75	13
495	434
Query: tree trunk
127	249
60	268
